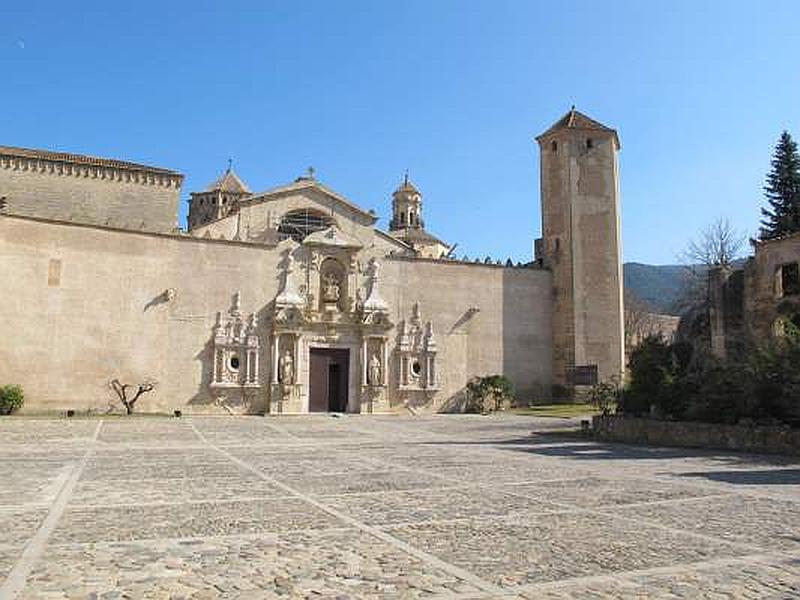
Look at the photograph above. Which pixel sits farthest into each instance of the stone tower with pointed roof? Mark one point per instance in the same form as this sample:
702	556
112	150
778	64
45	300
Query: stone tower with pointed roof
408	225
582	247
218	200
406	207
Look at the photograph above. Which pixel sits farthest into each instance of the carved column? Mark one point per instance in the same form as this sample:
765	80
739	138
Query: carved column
275	356
255	365
215	373
384	362
364	360
296	356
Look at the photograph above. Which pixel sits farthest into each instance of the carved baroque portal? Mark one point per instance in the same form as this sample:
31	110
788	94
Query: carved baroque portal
236	349
416	351
333	301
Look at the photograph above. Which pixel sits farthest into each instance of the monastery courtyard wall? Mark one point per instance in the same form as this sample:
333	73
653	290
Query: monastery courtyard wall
86	304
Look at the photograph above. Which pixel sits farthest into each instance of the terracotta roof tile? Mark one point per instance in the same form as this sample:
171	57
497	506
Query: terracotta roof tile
577	120
229	182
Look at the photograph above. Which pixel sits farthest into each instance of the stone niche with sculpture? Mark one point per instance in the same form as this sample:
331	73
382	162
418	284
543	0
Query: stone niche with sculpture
235	380
328	299
416	355
373	313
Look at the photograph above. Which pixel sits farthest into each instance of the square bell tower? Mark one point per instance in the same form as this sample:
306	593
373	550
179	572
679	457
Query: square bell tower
581	244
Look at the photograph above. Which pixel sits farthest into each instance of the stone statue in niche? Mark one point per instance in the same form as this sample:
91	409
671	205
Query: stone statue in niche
359	299
375	375
286	370
331	289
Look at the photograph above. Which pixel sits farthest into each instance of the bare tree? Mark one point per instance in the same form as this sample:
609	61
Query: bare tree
718	245
124	391
638	320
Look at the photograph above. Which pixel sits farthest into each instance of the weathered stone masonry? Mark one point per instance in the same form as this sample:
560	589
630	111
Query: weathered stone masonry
291	300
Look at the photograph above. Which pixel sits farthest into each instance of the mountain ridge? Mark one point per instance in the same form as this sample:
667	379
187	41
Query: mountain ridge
659	286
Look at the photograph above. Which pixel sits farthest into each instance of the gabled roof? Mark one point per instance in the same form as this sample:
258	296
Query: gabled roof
80	159
305	183
577	120
229	182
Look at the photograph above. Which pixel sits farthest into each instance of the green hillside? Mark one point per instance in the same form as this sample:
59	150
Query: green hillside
658	285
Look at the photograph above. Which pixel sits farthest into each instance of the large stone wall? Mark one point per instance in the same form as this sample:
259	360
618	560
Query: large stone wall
749	304
509	333
87	193
87	303
763	302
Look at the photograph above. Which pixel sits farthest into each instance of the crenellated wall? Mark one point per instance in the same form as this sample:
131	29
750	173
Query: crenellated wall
88	190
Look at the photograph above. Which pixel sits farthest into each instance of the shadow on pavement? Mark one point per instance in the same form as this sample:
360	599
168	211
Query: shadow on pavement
765	477
572	445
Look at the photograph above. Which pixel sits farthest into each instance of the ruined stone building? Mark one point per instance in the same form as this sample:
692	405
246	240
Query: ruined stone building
757	301
292	300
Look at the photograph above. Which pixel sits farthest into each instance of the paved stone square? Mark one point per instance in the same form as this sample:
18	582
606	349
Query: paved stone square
384	507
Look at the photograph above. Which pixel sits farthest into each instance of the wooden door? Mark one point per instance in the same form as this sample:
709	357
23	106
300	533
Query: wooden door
329	376
338	376
318	382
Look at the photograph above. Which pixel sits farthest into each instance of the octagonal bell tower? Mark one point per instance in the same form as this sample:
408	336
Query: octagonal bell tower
581	245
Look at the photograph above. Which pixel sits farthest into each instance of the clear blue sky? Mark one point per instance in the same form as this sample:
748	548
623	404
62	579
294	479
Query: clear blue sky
452	91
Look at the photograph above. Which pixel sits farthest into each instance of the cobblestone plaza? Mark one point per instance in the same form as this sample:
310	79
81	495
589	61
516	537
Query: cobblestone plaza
384	507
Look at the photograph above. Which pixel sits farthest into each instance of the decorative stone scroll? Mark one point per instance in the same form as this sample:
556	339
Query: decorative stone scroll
374	302
289	303
236	349
416	351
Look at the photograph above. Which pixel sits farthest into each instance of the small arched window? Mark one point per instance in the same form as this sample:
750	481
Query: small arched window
402	218
297	224
589	143
554	146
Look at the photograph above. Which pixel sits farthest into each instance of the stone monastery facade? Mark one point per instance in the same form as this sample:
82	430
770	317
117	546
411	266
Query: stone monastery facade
292	300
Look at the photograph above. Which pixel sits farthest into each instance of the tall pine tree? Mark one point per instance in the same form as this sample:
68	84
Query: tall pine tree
782	191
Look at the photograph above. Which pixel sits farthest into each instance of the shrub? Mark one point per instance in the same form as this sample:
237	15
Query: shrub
488	393
680	381
604	395
11	399
716	392
652	367
775	372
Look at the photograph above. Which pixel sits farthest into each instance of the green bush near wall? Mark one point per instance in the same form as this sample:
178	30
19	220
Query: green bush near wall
680	382
488	394
11	399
